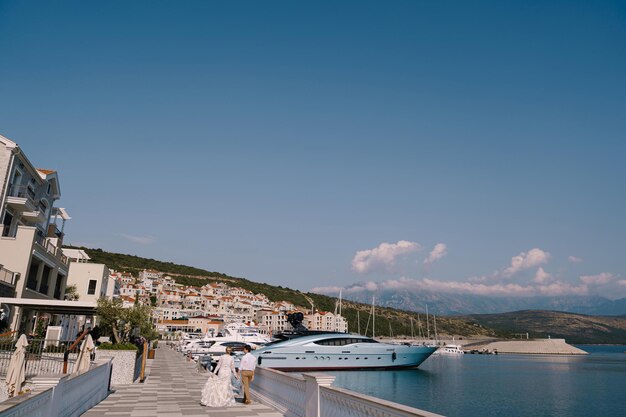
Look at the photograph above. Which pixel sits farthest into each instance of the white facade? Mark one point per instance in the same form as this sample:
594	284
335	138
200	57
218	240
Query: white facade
29	241
91	280
325	321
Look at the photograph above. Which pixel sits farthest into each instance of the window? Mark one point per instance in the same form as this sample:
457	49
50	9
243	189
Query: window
343	341
92	287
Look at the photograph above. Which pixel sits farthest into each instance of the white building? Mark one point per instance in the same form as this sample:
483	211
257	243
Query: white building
30	239
91	279
150	279
326	321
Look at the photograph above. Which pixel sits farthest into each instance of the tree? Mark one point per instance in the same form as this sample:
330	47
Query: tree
71	293
122	321
111	313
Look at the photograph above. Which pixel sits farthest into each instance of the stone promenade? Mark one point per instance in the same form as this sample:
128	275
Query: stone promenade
171	389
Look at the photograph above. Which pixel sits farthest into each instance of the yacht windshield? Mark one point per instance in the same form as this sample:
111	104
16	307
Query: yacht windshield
343	341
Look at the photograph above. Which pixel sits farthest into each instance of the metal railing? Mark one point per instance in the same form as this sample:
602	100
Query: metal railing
42	356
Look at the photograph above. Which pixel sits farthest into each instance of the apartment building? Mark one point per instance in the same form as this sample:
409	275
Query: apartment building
91	279
30	238
150	279
325	321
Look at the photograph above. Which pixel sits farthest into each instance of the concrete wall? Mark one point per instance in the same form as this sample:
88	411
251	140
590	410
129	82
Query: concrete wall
70	397
5	161
535	347
124	365
16	252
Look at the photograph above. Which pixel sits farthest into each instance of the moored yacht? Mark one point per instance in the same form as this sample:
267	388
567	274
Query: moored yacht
339	351
450	350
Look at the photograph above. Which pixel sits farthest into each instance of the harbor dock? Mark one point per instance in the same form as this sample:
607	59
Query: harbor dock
173	384
171	389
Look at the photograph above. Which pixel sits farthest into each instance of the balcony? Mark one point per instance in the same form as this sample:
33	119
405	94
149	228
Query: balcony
8	277
33	217
51	248
22	198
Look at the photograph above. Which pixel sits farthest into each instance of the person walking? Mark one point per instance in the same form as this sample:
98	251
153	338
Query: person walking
246	372
218	390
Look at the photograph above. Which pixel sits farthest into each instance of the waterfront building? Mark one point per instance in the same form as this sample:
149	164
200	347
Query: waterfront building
91	279
30	241
275	321
325	321
206	324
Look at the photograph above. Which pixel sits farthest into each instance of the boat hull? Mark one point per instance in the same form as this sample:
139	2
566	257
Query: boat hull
360	356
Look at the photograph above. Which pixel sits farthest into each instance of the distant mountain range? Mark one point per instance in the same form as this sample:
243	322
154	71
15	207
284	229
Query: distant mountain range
393	315
462	304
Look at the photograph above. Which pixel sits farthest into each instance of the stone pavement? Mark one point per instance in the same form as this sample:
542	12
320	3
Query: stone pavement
171	389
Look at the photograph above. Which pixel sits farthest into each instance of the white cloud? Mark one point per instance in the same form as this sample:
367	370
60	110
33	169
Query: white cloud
327	290
622	282
142	240
599	279
382	256
542	277
574	259
438	252
534	257
427	284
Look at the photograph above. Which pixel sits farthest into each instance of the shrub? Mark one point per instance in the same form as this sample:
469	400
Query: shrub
117	346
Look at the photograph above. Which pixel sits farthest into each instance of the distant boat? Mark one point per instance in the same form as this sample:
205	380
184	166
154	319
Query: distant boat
450	350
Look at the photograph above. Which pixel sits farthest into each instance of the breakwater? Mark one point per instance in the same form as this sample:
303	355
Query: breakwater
526	347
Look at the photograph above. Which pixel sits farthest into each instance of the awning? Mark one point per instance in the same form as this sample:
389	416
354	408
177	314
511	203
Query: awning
78	308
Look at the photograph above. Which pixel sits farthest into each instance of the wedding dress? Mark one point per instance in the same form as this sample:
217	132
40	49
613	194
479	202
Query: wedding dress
218	390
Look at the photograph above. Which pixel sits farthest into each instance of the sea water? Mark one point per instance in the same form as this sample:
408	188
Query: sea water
505	385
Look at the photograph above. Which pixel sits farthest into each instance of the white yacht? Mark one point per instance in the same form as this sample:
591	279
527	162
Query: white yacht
338	351
239	332
450	350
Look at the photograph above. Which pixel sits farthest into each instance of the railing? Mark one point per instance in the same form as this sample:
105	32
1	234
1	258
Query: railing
8	277
71	397
45	242
283	391
311	395
22	191
42	356
338	402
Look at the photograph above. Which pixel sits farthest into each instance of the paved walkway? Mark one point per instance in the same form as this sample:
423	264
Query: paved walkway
171	389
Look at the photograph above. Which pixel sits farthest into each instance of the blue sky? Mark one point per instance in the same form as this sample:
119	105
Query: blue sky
300	144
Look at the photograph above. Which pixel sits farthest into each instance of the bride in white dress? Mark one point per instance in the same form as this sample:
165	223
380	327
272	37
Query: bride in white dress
218	390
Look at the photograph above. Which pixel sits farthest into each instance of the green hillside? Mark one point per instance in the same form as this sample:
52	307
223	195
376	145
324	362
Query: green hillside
389	322
575	328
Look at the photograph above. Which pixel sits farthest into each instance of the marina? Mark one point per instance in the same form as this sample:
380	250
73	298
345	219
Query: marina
490	385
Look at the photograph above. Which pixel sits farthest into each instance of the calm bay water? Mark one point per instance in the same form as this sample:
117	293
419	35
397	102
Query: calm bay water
505	385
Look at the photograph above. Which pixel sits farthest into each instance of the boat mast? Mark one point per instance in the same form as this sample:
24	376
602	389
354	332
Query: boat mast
340	302
427	325
412	334
419	326
435	324
373	318
358	321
